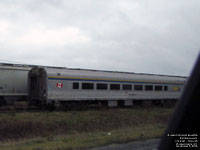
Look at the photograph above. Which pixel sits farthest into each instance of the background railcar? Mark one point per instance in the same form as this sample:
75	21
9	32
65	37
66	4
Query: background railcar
13	83
62	86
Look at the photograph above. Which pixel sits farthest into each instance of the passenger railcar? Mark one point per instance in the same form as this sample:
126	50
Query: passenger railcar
13	83
62	86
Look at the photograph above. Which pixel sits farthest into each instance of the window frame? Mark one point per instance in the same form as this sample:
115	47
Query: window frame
148	87
115	86
158	88
101	86
138	85
166	88
127	87
87	86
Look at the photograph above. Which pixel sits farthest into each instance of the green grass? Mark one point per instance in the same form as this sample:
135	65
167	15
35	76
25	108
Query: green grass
80	129
84	140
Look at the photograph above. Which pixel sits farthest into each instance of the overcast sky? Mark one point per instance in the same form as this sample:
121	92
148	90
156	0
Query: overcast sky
144	36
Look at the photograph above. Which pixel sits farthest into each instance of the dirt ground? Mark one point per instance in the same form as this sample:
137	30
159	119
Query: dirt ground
151	144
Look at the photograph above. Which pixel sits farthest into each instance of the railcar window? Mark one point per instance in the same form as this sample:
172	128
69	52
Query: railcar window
87	86
158	88
165	88
75	85
127	87
138	87
102	86
148	87
115	86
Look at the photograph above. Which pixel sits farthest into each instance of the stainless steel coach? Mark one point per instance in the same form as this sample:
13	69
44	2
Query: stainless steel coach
59	86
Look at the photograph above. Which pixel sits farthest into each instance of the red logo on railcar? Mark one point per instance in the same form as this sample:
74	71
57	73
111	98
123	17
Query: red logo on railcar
59	85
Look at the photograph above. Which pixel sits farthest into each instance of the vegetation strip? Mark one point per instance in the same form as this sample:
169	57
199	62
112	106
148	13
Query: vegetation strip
80	129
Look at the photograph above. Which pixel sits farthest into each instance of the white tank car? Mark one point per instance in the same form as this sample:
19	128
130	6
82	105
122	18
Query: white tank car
13	83
58	86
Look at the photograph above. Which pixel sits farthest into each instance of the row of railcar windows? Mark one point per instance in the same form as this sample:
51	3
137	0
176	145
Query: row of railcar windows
104	86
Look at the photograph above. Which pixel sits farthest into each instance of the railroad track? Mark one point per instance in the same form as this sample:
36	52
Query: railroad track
27	108
13	108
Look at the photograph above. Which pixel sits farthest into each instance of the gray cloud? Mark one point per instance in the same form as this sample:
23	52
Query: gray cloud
156	36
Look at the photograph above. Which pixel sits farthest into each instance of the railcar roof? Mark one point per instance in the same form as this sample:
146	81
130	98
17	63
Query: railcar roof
123	72
65	70
23	66
90	72
111	74
15	68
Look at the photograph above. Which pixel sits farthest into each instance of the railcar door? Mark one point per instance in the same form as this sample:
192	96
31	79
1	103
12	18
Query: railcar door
37	86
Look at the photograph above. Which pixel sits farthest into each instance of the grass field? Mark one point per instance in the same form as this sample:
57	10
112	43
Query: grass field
80	129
